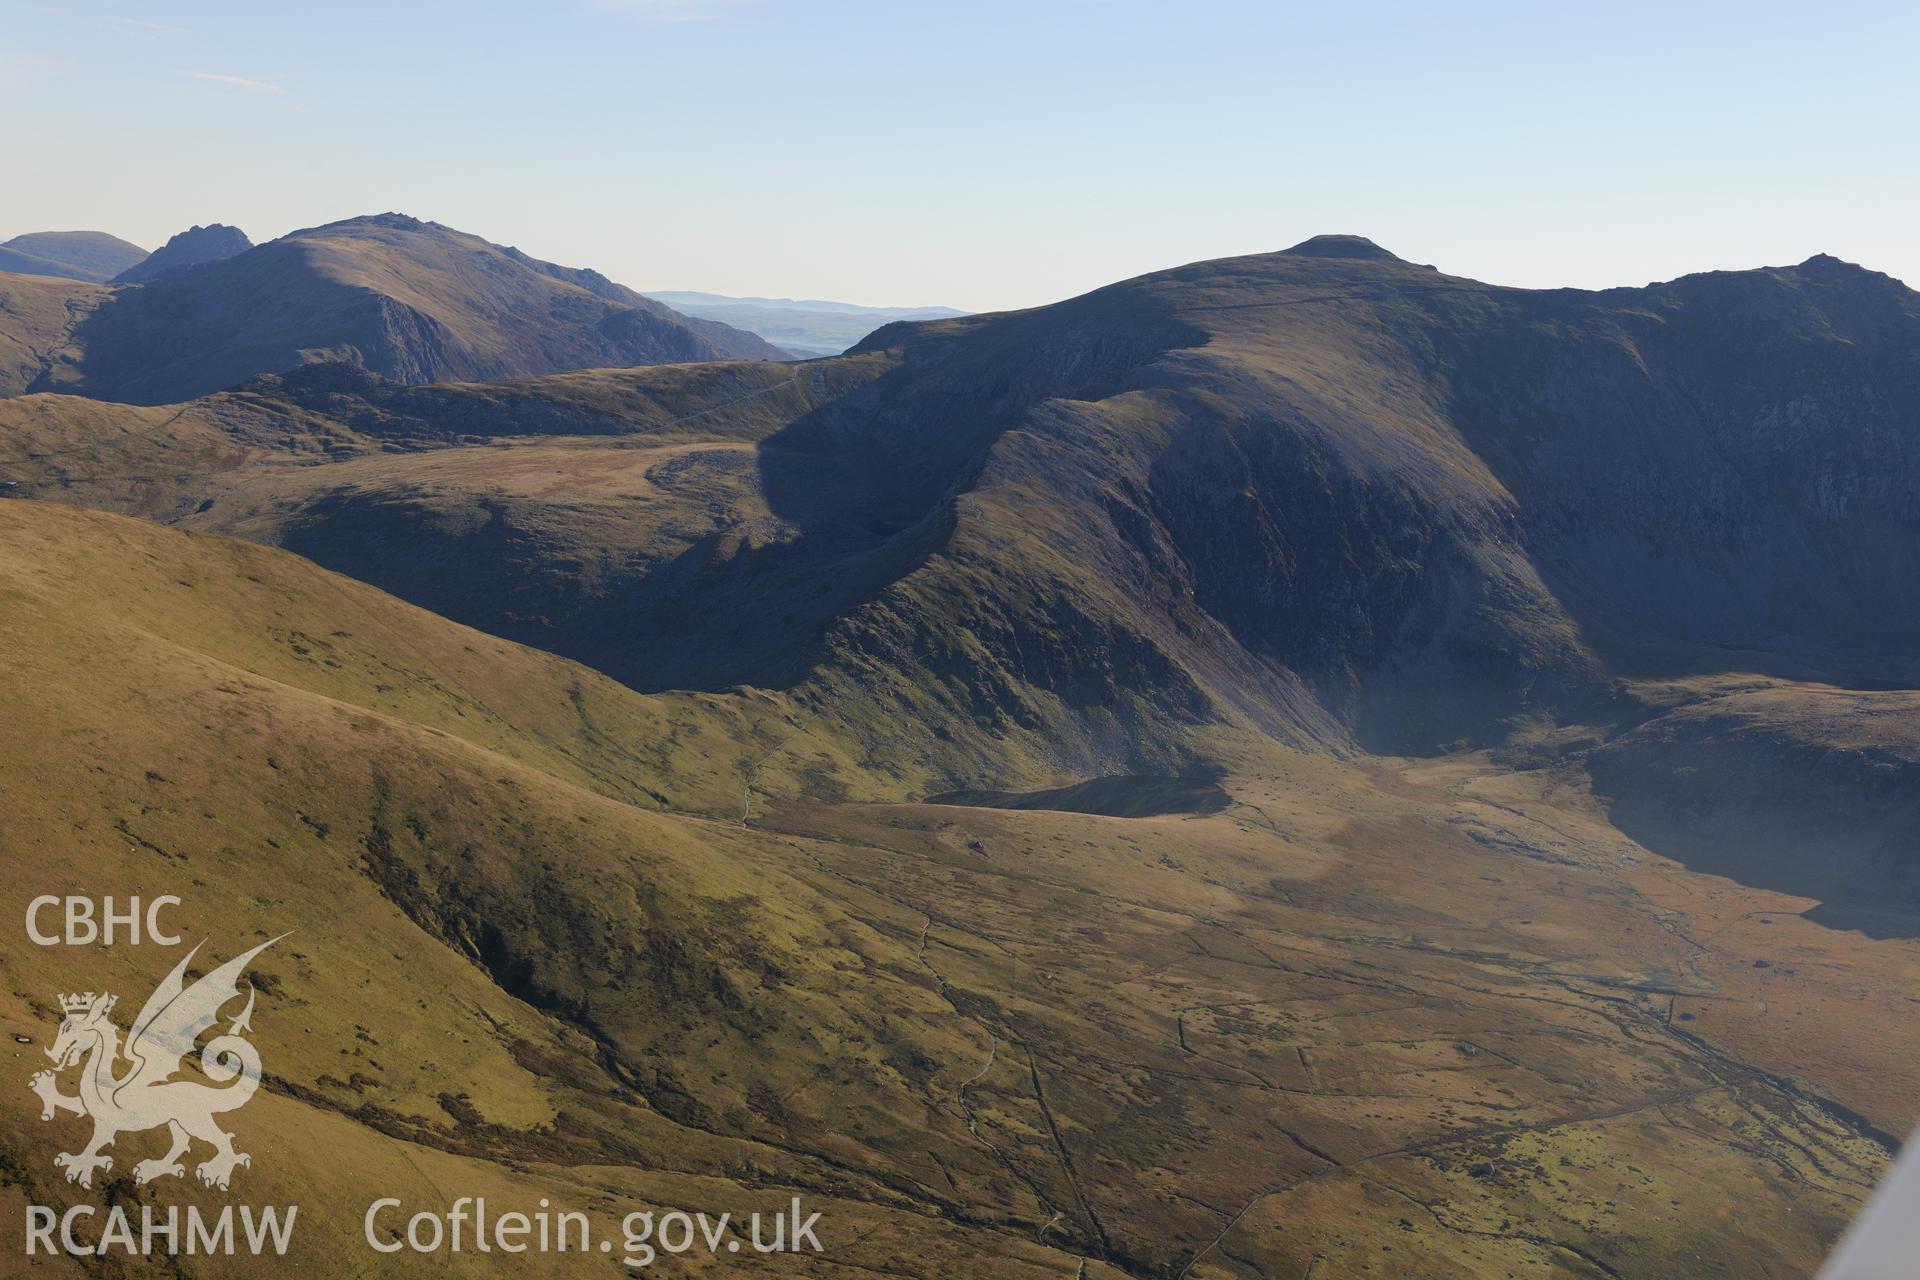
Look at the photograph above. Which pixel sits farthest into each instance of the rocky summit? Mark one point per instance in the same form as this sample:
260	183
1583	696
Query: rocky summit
190	248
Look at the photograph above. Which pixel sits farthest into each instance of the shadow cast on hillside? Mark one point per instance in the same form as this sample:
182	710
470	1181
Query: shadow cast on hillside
1857	859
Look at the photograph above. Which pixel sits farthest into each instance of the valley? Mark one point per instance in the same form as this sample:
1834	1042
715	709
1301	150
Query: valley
806	327
1412	1014
1230	749
1290	766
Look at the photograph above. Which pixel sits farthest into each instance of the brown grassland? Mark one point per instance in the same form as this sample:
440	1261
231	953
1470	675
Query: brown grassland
1295	766
1410	1017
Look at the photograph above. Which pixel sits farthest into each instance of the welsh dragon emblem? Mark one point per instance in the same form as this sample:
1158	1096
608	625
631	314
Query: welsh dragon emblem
148	1092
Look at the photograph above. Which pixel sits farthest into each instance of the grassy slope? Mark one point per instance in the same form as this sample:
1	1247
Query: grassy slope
591	483
369	796
1341	1017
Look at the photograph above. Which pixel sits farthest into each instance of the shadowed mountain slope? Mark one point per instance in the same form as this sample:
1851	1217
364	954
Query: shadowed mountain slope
1803	789
37	318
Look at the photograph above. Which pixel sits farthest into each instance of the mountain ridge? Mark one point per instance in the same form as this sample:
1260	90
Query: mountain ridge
411	300
1341	500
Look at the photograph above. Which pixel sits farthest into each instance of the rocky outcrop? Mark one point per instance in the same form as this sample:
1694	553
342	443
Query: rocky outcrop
190	248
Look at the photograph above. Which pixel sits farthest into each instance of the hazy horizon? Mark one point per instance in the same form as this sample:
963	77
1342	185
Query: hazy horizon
650	139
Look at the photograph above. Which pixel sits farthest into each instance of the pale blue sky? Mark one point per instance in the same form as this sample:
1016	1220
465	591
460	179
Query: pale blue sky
984	154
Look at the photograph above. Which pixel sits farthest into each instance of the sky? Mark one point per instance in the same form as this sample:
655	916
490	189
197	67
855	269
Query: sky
984	154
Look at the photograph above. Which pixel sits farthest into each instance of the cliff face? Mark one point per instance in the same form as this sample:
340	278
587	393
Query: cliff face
1724	462
1438	504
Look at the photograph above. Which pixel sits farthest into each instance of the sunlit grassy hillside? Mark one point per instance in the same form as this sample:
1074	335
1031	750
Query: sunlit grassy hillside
552	937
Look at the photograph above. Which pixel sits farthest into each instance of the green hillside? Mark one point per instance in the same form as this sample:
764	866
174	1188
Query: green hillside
553	937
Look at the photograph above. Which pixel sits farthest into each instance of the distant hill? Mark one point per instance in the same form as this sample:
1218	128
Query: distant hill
806	327
188	249
412	301
74	255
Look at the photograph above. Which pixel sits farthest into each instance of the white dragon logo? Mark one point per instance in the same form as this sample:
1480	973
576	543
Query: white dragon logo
147	1095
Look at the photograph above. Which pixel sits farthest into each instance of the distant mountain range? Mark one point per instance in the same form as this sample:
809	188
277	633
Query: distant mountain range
410	300
806	327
